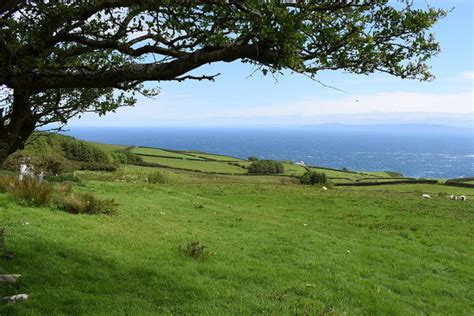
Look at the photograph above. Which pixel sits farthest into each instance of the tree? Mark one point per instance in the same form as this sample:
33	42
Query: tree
265	167
59	59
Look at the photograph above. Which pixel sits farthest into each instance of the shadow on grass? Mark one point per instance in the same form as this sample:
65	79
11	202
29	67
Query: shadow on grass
61	279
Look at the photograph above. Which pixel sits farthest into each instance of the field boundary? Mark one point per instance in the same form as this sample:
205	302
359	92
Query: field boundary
421	181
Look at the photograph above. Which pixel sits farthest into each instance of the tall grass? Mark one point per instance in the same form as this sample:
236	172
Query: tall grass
86	203
30	191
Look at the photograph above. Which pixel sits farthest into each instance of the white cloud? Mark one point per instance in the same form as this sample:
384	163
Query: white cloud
387	102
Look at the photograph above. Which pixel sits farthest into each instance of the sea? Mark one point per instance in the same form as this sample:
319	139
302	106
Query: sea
420	151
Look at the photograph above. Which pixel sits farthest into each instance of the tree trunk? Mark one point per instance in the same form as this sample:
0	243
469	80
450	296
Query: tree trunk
18	126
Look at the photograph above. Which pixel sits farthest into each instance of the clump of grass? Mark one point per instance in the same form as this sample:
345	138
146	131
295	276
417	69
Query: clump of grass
30	191
4	182
195	249
86	203
157	178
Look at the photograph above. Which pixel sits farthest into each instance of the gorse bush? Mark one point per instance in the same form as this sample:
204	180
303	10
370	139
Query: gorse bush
86	203
265	167
312	177
30	191
157	177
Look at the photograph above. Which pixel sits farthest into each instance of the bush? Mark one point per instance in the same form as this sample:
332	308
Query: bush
195	249
265	167
84	152
127	157
252	158
30	191
157	177
312	177
86	203
51	164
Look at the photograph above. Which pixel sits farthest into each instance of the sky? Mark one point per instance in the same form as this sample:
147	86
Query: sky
240	98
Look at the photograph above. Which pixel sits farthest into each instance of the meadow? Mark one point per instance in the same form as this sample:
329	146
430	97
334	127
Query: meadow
272	246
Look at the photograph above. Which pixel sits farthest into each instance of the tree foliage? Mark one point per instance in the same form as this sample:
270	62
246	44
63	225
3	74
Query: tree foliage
265	167
313	178
59	59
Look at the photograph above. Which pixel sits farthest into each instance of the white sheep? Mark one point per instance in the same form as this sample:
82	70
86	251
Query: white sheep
462	198
426	196
325	189
453	197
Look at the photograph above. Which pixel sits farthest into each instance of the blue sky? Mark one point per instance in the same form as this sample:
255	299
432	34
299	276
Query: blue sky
237	99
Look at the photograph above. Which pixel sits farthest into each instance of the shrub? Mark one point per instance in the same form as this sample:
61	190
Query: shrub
157	177
312	177
86	203
195	249
265	167
127	157
84	152
252	158
30	191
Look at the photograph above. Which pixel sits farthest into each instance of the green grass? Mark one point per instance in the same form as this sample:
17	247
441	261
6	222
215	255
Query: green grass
204	166
275	249
292	169
336	174
109	147
161	152
212	156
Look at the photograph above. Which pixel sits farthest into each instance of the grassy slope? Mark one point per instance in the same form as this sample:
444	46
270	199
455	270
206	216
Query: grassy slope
161	152
278	249
206	166
213	156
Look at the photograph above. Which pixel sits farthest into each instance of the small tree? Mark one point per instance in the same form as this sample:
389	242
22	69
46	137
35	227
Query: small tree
312	178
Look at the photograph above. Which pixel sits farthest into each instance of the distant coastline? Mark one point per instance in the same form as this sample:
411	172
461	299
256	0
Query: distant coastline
415	150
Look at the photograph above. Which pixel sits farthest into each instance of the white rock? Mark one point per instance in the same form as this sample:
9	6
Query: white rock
16	298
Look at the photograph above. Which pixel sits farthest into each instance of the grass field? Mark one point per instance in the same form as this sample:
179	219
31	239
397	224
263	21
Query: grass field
212	156
205	166
275	249
274	246
161	152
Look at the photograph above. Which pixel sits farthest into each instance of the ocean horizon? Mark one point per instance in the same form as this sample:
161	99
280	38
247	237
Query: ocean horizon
420	151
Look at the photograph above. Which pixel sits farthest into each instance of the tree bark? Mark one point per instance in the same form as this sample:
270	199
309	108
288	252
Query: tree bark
18	126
